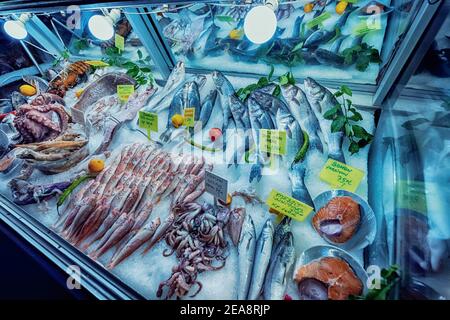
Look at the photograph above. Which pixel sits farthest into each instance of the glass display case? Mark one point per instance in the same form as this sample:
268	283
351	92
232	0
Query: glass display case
153	149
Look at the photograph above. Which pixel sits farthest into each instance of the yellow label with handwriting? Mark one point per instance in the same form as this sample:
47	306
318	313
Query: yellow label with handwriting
341	176
189	117
284	204
149	121
119	42
97	63
272	141
124	91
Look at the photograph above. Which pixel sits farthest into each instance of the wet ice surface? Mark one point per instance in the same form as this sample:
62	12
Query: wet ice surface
144	274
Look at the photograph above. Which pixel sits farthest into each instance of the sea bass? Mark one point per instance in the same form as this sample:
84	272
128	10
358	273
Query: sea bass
322	36
187	96
303	113
280	269
162	100
207	107
322	100
260	119
262	259
246	256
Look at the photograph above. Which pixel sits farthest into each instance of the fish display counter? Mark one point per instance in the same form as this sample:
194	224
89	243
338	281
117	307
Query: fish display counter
170	151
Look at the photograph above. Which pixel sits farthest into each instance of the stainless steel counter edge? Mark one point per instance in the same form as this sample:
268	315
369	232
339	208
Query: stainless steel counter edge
93	277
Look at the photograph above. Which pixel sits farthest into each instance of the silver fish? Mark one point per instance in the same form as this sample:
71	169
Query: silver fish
187	96
207	107
280	269
246	256
162	100
260	119
322	100
322	36
299	189
236	220
225	89
280	232
262	259
303	113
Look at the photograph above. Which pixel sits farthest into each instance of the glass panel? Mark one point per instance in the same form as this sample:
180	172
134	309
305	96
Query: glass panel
324	39
434	71
416	196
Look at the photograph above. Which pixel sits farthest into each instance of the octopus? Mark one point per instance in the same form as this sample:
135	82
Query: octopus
69	78
327	278
338	220
37	123
197	238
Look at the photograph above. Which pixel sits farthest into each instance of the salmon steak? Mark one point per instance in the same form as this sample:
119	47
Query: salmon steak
327	278
338	220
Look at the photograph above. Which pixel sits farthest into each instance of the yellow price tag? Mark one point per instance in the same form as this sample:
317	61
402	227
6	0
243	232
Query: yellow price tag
97	63
284	204
119	42
149	121
189	117
272	141
341	176
124	91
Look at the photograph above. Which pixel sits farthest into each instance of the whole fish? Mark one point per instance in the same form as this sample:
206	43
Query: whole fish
207	107
260	119
283	228
262	259
162	100
280	269
235	222
286	122
127	113
246	256
329	58
142	236
301	110
321	36
187	96
336	45
225	89
322	100
212	47
299	190
104	86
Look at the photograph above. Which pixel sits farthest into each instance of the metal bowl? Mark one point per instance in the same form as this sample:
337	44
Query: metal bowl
318	252
365	234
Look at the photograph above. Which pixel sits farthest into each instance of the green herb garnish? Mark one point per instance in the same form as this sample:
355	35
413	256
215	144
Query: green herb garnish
287	78
389	278
139	70
344	116
361	55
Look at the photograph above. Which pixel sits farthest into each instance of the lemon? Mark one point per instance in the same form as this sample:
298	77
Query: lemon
96	165
308	7
236	34
341	6
27	90
177	120
79	93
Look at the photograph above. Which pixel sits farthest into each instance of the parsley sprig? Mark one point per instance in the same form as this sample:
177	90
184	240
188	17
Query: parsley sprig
345	116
